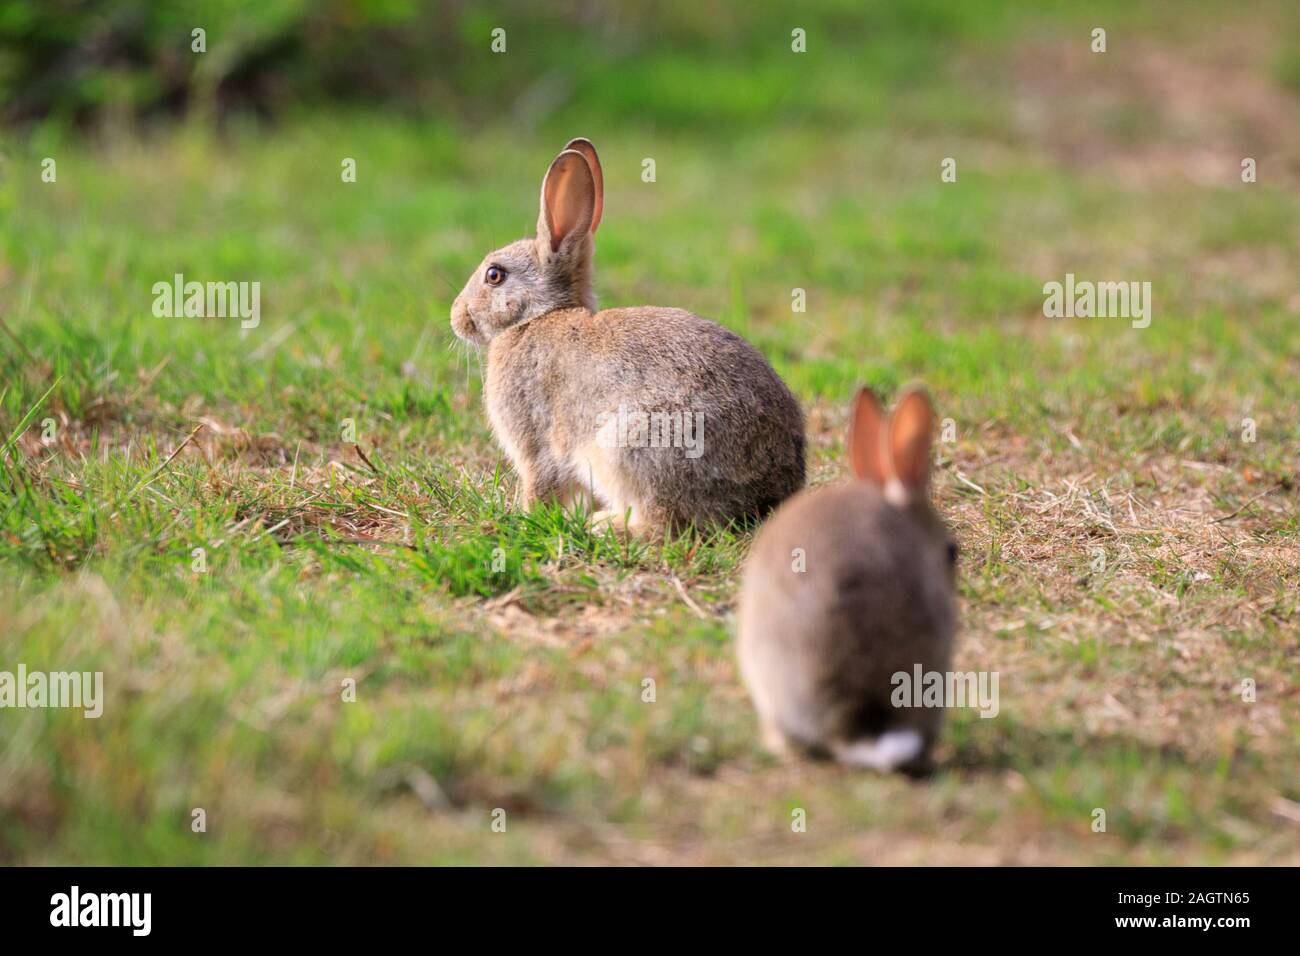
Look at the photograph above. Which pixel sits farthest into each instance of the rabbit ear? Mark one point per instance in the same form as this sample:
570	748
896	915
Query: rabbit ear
583	145
909	441
568	200
866	439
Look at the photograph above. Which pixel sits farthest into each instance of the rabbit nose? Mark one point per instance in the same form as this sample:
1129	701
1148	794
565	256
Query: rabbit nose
461	323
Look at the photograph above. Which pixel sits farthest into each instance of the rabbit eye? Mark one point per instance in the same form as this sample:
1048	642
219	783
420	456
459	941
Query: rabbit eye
495	275
952	552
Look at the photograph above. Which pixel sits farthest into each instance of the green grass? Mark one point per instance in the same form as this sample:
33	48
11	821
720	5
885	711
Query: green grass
501	659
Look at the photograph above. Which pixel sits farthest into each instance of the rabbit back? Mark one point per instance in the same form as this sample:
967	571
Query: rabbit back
570	388
843	591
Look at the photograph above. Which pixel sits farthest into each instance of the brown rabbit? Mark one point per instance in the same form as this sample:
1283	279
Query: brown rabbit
845	587
650	413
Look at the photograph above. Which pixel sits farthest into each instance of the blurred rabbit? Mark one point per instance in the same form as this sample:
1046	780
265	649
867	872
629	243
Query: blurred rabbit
846	586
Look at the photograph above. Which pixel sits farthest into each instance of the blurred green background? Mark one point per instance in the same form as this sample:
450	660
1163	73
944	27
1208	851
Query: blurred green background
701	65
705	66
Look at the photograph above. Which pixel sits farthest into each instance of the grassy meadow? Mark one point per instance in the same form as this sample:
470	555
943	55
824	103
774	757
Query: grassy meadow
1125	498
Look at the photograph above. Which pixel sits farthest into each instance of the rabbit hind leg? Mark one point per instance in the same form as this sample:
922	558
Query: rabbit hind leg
598	468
